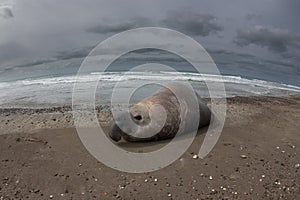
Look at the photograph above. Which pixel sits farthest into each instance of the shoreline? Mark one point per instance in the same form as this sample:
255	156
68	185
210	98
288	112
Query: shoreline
16	120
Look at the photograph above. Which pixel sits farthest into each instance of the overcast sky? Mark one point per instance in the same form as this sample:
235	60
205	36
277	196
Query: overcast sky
235	32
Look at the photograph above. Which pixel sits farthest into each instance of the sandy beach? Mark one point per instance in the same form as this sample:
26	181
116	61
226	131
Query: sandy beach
256	157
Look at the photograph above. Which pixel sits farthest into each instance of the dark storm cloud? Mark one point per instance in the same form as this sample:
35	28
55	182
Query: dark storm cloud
61	55
229	53
78	53
6	13
231	58
28	64
192	23
276	40
110	26
226	57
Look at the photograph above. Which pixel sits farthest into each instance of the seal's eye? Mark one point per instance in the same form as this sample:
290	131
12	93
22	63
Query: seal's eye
138	117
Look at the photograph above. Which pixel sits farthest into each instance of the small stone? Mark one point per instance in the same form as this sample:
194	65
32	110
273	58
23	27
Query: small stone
226	143
62	194
169	194
243	156
155	180
146	180
210	177
297	165
260	180
277	182
195	156
36	190
51	196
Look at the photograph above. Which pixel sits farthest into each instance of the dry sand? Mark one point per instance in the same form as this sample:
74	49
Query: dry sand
256	157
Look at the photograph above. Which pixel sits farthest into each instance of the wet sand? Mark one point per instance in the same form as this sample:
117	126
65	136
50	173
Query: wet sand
256	157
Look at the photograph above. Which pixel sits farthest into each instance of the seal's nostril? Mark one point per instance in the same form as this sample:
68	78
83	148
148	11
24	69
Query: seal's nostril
115	132
138	117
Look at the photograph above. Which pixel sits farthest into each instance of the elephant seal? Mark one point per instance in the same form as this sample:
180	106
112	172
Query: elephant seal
140	116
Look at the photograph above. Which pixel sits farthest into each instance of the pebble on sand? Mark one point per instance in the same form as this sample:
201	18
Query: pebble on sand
291	145
243	156
277	183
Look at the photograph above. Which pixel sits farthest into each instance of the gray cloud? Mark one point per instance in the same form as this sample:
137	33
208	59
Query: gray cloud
192	23
36	39
61	55
110	26
276	40
6	13
253	16
78	53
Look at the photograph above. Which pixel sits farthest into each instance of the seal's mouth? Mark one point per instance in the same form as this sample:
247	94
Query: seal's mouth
115	133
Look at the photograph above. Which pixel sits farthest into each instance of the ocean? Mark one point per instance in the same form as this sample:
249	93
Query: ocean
57	91
50	83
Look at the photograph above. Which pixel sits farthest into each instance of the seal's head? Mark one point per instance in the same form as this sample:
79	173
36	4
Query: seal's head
138	117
